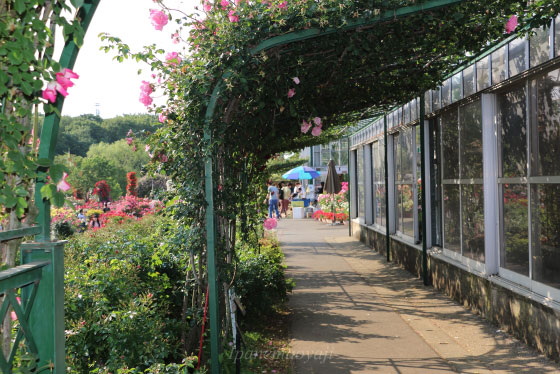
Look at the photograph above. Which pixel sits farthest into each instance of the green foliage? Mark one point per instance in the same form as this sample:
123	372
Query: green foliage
78	134
26	48
152	185
86	172
260	280
124	291
121	154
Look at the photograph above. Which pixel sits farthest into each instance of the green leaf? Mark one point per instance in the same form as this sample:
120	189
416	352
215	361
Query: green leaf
77	3
44	162
19	6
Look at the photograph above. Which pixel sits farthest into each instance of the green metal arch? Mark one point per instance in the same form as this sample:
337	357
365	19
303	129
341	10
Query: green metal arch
49	133
292	37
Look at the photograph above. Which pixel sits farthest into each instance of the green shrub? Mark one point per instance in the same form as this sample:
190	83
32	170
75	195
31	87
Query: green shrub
123	297
260	279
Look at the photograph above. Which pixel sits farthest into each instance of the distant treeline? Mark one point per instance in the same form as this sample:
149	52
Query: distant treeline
77	134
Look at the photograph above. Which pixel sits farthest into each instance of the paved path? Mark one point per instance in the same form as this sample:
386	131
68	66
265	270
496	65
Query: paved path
354	313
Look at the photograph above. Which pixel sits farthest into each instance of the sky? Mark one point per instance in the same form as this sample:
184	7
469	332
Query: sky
116	86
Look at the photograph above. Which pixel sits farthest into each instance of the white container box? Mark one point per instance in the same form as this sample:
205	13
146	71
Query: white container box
298	212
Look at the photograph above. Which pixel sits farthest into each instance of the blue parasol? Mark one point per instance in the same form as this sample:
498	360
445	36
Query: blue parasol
301	172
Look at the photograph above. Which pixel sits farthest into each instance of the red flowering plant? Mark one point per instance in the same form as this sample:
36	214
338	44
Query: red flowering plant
102	190
132	185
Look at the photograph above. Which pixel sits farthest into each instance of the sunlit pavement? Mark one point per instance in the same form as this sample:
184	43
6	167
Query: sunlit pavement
352	312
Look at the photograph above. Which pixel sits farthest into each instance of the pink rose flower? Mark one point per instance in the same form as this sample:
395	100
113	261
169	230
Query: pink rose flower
224	3
173	58
232	16
49	94
305	126
146	88
163	157
317	121
162	118
176	38
296	80
291	93
283	5
145	99
65	76
511	24
159	19
207	6
316	131
63	185
270	223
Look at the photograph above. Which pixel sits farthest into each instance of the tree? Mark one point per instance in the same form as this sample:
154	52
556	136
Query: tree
88	171
120	153
132	186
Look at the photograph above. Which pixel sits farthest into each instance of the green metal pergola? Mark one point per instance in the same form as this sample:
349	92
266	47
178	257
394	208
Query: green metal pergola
50	131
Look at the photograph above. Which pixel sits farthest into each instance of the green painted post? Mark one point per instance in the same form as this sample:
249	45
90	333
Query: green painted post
213	303
387	237
49	132
423	186
46	320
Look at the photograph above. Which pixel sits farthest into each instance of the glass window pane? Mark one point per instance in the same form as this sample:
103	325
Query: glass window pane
548	125
435	99
517	57
468	81
482	74
513	113
515	250
407	209
499	65
406	113
546	235
361	190
382	201
450	149
470	120
407	155
398	161
539	46
456	87
557	37
472	203
418	180
413	112
446	93
451	218
427	102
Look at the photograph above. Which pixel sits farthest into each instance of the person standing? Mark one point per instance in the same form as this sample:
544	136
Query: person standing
286	202
272	200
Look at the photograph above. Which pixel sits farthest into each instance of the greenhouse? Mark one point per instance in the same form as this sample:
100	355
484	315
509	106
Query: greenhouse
491	222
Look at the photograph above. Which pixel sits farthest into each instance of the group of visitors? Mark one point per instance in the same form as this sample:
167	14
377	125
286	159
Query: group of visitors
280	195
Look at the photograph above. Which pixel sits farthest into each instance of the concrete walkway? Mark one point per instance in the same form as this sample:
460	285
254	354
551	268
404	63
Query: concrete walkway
352	312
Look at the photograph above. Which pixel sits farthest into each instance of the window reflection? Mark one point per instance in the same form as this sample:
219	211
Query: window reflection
482	77
468	81
515	248
473	221
548	125
546	233
451	218
471	140
450	151
513	114
361	189
499	65
517	57
539	47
